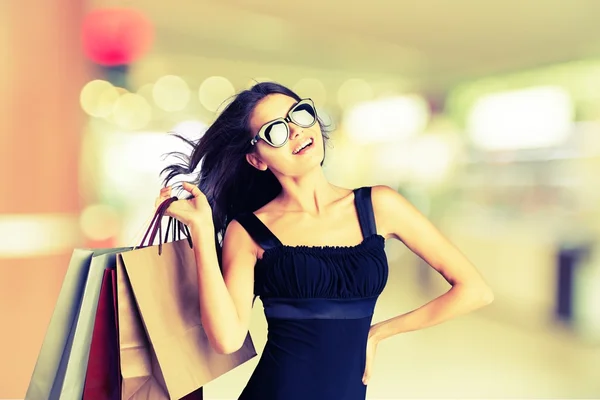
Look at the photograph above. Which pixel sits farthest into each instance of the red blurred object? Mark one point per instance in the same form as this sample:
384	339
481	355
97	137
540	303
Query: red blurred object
116	36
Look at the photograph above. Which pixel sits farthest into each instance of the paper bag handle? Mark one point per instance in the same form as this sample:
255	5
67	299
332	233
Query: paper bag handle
155	227
155	223
176	230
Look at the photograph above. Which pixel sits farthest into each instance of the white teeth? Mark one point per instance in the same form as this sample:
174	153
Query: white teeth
302	145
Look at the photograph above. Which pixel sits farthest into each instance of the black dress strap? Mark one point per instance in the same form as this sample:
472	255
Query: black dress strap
364	208
258	231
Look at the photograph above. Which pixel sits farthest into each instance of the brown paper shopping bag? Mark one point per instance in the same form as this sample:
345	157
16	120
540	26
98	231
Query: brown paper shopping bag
141	376
165	288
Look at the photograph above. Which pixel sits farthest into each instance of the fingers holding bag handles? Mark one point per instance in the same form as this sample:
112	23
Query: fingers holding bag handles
193	211
183	213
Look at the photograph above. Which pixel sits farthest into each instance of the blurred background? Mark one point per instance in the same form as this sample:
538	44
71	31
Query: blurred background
484	114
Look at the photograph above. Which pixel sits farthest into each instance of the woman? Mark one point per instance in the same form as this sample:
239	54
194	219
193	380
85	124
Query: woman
312	251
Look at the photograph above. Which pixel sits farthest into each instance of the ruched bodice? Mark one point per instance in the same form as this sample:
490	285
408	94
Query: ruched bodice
322	272
319	303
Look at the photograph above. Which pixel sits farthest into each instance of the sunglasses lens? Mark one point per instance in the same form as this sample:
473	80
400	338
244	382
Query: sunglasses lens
304	115
277	133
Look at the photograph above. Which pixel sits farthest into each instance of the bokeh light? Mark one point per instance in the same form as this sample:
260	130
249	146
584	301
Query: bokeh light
146	91
98	98
387	119
99	222
529	118
171	93
132	112
214	92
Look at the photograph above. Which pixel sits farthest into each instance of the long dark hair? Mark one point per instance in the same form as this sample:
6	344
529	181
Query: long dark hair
231	185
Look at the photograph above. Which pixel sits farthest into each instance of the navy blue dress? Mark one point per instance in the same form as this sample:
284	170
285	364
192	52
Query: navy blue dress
318	302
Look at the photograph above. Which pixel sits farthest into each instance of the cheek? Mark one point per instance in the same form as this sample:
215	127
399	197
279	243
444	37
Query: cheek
317	129
319	137
272	155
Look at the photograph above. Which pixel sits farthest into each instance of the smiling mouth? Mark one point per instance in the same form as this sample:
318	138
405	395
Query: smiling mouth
303	146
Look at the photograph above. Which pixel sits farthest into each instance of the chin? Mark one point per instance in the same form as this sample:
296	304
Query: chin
308	165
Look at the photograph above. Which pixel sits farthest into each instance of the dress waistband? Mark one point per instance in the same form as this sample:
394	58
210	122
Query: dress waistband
290	308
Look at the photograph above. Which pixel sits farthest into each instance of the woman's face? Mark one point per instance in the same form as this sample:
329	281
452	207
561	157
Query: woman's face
285	160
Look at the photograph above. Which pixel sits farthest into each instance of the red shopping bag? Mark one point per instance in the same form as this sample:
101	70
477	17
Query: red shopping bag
103	377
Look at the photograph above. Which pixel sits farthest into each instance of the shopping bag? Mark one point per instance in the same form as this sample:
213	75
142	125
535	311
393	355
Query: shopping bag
74	378
103	375
164	285
141	375
59	344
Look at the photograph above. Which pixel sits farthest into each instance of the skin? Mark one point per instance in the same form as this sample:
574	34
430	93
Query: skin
320	214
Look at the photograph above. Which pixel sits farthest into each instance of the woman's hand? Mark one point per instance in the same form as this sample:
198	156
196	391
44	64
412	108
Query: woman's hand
370	358
192	212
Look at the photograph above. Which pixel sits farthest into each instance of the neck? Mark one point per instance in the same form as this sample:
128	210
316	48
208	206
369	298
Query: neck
309	193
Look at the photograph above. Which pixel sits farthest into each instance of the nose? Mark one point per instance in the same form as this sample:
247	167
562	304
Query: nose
295	130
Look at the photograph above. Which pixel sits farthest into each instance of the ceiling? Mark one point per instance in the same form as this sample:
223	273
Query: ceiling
428	44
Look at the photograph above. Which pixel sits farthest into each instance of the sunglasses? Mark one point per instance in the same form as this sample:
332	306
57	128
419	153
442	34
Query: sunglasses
277	132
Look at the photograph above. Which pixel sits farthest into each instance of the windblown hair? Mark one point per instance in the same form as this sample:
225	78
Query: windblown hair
231	185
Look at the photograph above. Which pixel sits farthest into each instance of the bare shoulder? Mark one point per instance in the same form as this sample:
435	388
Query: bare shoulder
389	207
382	195
237	239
